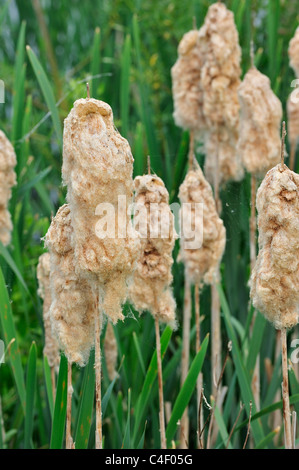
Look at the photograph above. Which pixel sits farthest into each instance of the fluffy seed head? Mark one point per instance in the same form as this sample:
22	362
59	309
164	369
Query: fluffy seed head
74	300
186	89
293	116
294	52
202	263
7	181
97	169
261	114
220	79
275	278
150	289
51	349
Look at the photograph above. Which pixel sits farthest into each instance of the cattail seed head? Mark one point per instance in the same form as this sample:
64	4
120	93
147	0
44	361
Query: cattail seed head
150	289
294	52
202	263
187	93
97	169
220	80
51	349
275	278
74	299
261	114
293	116
7	181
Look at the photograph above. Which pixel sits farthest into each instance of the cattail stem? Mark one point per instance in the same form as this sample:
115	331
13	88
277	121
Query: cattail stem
256	373
184	429
98	373
197	347
292	155
191	150
160	382
285	391
69	440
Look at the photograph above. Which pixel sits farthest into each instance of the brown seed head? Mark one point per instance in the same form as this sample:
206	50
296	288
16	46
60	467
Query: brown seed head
150	289
261	114
275	278
7	181
74	299
202	263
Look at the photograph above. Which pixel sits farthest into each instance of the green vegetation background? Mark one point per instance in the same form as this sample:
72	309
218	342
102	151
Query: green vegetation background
130	58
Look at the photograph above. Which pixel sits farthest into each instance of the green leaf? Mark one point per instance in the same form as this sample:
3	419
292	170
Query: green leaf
49	385
242	374
125	86
127	437
186	391
47	92
86	405
95	63
19	86
30	395
6	255
150	377
145	109
58	425
10	336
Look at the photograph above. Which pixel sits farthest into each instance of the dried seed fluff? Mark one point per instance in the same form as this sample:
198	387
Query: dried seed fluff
7	181
201	263
74	300
51	348
261	114
275	278
150	289
220	80
97	169
294	52
293	116
187	93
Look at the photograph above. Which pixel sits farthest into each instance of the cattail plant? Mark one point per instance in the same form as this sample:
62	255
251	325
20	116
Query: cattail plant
293	124
275	277
74	300
202	261
220	80
258	146
293	103
7	181
294	52
151	286
186	89
97	169
51	348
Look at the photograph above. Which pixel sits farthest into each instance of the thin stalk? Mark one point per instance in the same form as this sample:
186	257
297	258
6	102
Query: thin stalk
98	373
69	440
292	155
184	429
255	383
200	378
285	391
160	381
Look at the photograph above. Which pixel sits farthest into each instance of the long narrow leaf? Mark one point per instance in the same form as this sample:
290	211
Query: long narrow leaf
47	92
186	391
58	425
30	395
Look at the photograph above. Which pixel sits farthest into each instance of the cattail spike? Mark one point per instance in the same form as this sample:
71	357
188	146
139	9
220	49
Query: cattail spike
88	90
283	134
